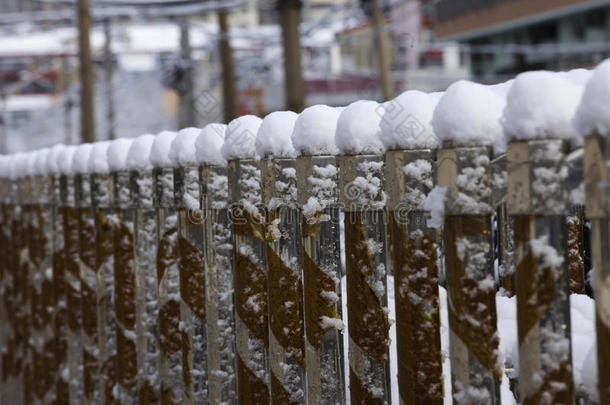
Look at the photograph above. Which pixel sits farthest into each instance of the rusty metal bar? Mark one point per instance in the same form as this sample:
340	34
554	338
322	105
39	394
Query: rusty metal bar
363	201
473	339
250	264
318	198
538	203
410	176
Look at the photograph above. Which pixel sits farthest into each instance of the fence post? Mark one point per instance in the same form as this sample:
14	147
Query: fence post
363	201
101	199
285	280
250	261
597	154
89	299
125	288
27	271
505	232
410	176
538	203
219	284
73	287
318	181
172	387
146	288
473	338
191	266
576	221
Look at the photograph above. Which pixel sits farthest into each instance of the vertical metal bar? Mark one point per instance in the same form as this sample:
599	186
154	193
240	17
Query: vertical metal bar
60	317
597	154
363	200
219	285
172	387
191	264
250	261
146	289
318	198
73	288
88	276
101	198
473	339
125	289
285	281
538	204
410	176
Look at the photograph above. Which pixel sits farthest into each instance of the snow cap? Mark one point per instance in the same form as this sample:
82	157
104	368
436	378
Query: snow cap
27	164
579	77
468	114
209	143
14	166
138	156
117	154
182	149
314	131
40	164
405	123
53	158
358	128
65	158
80	161
159	152
98	160
274	134
541	105
240	137
593	113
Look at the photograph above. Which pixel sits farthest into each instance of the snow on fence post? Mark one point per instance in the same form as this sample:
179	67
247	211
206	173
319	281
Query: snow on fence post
101	199
410	176
191	265
72	276
88	276
285	280
124	274
172	386
597	175
146	285
538	203
219	283
473	340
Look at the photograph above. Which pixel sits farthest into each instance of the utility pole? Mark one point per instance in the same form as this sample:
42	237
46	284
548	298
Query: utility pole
109	73
290	16
382	40
68	102
86	72
3	116
186	113
228	76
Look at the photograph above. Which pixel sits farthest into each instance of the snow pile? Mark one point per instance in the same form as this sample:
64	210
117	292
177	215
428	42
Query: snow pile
159	152
209	143
240	138
98	161
53	159
593	113
358	129
579	77
40	164
138	156
314	131
117	153
182	150
468	114
541	105
405	123
64	159
274	134
81	158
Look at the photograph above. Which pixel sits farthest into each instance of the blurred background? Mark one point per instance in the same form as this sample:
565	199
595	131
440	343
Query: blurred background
84	70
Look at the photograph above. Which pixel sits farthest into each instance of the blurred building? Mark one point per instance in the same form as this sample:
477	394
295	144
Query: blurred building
18	6
503	37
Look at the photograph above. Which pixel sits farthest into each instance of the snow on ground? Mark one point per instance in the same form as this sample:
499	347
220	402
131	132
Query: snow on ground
273	138
208	145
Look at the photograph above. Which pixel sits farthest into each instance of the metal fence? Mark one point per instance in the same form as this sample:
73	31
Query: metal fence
223	284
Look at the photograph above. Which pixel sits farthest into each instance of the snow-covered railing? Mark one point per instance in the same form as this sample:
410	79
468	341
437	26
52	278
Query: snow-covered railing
426	249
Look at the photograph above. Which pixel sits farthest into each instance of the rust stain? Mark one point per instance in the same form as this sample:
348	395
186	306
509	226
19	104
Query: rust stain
359	393
247	224
169	327
420	372
576	264
285	309
371	330
251	297
192	277
146	395
167	254
279	394
251	390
